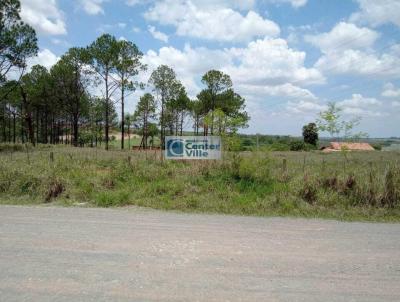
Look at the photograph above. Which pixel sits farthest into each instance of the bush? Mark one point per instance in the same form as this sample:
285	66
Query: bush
377	147
308	192
301	146
297	146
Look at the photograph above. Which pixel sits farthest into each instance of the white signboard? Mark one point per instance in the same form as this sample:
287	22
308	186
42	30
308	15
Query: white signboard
193	147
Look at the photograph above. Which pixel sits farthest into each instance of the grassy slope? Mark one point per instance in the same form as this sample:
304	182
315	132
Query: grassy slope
249	184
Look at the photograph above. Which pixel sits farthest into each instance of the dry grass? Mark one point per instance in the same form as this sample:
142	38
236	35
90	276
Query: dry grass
351	186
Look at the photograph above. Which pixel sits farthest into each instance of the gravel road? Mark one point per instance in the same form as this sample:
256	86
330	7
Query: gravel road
84	254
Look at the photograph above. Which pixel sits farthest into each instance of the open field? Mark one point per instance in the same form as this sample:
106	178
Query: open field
348	186
74	254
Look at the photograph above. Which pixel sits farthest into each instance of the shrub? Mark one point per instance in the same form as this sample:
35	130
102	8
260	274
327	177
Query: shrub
377	147
297	146
308	191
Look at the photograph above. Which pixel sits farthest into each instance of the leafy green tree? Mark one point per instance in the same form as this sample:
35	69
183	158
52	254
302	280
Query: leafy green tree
165	84
144	113
198	111
217	82
103	58
310	134
31	88
128	66
331	121
71	78
225	124
17	40
178	107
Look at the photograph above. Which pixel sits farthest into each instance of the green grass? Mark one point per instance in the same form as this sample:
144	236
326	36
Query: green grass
312	185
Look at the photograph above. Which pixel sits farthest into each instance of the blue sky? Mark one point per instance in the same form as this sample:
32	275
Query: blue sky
288	58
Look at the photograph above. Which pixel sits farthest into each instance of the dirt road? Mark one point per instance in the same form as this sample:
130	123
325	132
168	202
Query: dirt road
78	254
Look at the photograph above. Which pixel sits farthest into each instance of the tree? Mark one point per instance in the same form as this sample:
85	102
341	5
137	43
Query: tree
231	104
17	40
178	107
129	119
197	112
331	121
128	65
225	124
217	82
164	82
310	134
103	58
145	111
31	86
71	78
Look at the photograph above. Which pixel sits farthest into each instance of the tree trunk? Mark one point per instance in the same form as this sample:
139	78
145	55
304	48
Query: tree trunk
122	115
28	118
75	120
107	111
129	136
181	123
14	129
212	115
162	128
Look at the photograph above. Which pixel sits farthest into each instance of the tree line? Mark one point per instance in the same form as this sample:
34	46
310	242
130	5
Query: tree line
59	105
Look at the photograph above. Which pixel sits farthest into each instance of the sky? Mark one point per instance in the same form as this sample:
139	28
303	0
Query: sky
287	58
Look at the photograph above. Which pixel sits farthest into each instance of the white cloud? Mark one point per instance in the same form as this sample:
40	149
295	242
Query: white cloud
396	104
157	34
357	62
189	63
133	2
45	58
286	90
211	22
234	4
357	100
264	66
44	16
342	37
271	62
347	49
361	106
294	3
390	91
92	7
304	107
377	12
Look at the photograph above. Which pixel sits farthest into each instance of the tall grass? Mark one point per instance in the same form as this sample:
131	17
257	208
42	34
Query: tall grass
362	186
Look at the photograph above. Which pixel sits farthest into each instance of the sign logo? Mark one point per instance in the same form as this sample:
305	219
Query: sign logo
175	148
193	147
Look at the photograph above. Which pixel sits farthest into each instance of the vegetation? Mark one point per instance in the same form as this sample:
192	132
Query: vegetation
53	129
310	134
358	186
331	121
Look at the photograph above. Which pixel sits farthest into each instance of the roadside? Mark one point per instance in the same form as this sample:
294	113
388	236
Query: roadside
65	254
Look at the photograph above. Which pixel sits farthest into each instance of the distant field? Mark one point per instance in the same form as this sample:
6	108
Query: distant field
393	147
349	186
134	141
